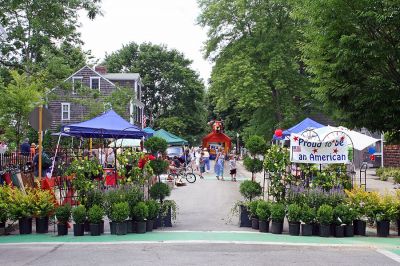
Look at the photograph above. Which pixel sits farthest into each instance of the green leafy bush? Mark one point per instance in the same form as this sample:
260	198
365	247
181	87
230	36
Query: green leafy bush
263	210
339	214
95	214
256	145
159	166
307	214
253	165
111	197
160	191
252	207
44	203
294	213
277	212
4	203
250	189
94	197
21	205
325	214
79	214
156	144
63	213
119	212
154	209
140	212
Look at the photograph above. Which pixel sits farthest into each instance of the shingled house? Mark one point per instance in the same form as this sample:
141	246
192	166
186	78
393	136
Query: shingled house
66	111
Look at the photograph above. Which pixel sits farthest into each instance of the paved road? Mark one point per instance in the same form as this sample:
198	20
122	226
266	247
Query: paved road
187	254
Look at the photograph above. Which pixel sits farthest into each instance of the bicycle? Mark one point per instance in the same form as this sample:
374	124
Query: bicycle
181	173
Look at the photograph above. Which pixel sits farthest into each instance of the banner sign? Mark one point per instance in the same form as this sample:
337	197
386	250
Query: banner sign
318	152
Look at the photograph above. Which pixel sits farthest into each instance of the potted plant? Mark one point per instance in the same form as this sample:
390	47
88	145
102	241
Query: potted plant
154	209
307	219
95	216
339	215
21	209
159	191
252	207
325	217
277	217
119	214
140	212
44	205
249	190
79	217
362	203
4	206
168	212
263	212
63	215
384	213
294	218
94	196
111	197
133	195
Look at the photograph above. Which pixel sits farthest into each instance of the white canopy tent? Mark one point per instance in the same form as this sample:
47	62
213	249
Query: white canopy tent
123	143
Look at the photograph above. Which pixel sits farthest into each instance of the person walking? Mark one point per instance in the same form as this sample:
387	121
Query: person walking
197	156
206	157
232	167
219	164
202	165
25	148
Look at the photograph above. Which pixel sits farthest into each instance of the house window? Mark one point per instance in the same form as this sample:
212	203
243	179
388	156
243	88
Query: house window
76	84
65	111
95	83
138	92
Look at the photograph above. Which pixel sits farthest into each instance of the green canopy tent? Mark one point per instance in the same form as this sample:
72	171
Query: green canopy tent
171	139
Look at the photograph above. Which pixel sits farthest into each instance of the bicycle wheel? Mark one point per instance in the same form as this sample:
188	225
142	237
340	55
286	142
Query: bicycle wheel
190	177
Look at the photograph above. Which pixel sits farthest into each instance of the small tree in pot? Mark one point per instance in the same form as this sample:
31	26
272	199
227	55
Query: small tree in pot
263	213
44	205
385	212
307	219
325	217
21	209
140	212
249	190
252	207
79	217
133	195
119	214
155	144
111	197
63	215
159	191
159	167
339	214
154	209
255	145
94	196
294	218
95	216
277	217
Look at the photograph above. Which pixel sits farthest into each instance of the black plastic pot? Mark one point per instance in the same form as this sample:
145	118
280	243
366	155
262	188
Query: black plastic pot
294	229
276	227
62	229
254	223
102	227
398	227
140	227
339	231
333	229
155	223
360	227
129	225
306	229
315	229
244	220
87	226
382	228
348	230
2	225
325	230
167	219
79	229
25	226
121	228
149	225
112	228
158	222
42	225
95	229
263	226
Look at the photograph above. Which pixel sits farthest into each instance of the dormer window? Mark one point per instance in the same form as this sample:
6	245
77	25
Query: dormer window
95	83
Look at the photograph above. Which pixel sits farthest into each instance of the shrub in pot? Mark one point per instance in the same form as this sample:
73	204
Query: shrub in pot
363	203
79	217
140	214
155	144
277	217
294	217
95	216
249	190
168	212
385	212
63	215
263	212
154	209
325	217
308	218
159	191
339	215
119	214
133	195
44	205
4	205
159	166
21	208
252	207
111	197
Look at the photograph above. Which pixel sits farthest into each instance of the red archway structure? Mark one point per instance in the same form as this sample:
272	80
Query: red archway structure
217	139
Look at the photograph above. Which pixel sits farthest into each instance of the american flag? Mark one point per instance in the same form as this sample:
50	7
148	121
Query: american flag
144	120
296	149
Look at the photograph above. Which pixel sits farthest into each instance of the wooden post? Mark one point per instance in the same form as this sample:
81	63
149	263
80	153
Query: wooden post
40	141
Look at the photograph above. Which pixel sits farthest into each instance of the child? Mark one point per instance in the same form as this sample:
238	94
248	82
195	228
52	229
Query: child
202	163
232	167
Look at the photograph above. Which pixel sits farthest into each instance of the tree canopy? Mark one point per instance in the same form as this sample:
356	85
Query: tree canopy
172	90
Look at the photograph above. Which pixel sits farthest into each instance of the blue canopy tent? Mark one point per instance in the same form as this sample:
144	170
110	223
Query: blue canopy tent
107	125
149	130
300	127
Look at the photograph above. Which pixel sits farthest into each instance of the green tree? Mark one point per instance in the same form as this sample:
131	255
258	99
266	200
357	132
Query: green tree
351	49
172	89
17	100
258	82
33	26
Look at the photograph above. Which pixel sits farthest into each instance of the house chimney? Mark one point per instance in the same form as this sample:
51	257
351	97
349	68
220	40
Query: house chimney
102	70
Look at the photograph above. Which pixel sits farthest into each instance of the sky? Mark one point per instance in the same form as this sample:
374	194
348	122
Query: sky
171	22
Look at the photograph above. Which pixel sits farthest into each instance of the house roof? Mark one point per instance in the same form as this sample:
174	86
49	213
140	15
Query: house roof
122	76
